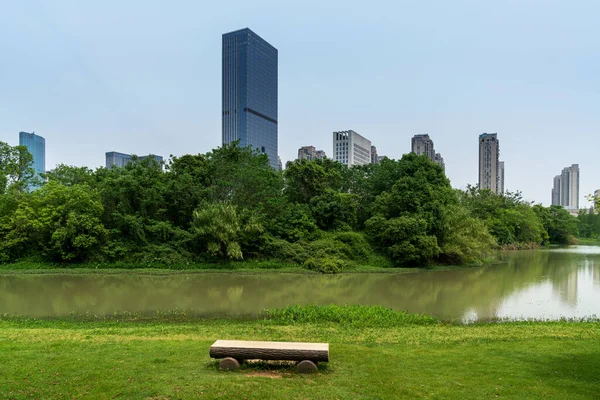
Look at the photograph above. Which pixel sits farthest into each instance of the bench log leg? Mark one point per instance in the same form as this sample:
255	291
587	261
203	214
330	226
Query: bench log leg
306	367
229	364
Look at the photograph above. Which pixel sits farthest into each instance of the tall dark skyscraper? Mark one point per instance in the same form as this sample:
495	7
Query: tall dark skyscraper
250	92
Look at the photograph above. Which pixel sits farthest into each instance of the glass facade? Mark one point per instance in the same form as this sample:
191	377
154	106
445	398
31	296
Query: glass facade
115	159
36	145
250	92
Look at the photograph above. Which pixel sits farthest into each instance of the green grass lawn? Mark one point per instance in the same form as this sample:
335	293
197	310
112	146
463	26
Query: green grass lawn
588	241
373	356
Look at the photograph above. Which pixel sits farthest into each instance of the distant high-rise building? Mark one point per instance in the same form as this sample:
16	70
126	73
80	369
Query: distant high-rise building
279	163
423	145
556	191
489	154
36	145
310	153
374	156
350	148
438	159
566	188
115	159
249	84
501	177
597	200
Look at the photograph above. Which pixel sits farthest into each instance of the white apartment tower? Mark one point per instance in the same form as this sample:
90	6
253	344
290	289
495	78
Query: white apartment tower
350	148
489	164
501	177
566	188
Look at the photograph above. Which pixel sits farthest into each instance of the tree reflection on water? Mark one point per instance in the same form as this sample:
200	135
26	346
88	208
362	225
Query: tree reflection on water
453	294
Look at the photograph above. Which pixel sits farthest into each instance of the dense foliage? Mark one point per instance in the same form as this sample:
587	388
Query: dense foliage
589	223
229	204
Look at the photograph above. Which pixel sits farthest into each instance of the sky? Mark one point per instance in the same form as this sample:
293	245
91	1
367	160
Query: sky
145	77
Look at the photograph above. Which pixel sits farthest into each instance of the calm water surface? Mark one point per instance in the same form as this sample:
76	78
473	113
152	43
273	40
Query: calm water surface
547	284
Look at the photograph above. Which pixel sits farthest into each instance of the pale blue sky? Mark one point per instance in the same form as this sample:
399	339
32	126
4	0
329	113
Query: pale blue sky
145	77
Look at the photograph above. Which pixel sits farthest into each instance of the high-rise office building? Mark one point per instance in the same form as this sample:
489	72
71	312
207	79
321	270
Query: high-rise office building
500	177
489	154
310	153
36	145
350	148
374	156
423	145
556	191
566	188
249	84
115	159
438	159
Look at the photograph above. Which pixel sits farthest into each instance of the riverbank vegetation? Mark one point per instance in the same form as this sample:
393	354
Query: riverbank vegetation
589	227
374	353
229	204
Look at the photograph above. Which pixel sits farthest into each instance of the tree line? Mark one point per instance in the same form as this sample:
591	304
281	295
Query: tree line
229	204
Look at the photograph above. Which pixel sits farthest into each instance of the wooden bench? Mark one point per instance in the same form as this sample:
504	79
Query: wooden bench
232	352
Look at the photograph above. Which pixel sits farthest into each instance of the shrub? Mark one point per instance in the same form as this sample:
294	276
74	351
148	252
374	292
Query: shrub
283	250
358	244
325	265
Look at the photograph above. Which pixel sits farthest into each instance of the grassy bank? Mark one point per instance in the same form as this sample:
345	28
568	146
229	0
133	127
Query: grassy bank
375	353
28	267
588	241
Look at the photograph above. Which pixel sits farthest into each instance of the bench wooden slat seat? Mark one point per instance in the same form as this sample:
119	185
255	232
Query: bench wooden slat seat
255	350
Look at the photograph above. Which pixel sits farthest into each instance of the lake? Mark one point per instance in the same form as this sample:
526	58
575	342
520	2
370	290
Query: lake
540	284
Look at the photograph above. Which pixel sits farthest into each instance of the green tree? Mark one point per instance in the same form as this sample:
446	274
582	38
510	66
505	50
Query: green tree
243	177
404	239
15	167
224	230
409	218
422	191
510	219
467	240
59	222
335	211
305	179
558	223
294	223
68	175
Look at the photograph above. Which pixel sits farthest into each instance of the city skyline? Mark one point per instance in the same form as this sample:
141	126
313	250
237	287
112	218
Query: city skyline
152	90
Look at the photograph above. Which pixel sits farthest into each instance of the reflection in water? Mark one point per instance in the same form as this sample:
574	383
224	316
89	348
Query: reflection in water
526	284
